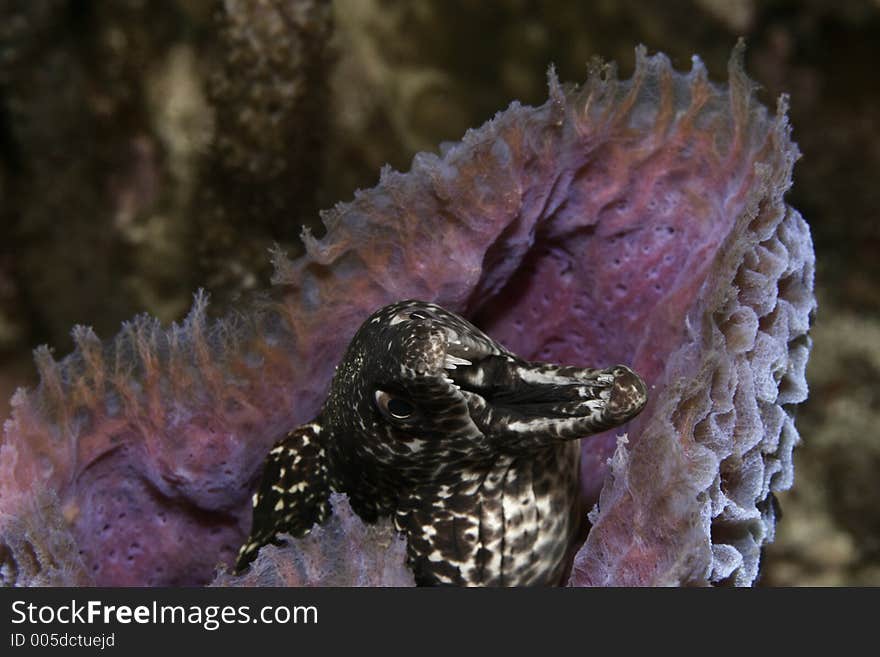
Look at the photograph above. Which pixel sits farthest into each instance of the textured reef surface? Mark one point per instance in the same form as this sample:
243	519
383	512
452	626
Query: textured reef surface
332	554
638	221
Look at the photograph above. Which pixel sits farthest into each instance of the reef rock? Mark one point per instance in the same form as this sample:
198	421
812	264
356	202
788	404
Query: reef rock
639	222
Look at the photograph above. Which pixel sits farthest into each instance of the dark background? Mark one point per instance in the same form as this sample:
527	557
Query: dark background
150	148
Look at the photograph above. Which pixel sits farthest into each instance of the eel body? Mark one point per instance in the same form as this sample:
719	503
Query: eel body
471	450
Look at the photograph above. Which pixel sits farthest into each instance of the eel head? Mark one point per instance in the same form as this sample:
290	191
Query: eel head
423	390
421	397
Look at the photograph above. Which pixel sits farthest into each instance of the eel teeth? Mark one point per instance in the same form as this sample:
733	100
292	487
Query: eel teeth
452	361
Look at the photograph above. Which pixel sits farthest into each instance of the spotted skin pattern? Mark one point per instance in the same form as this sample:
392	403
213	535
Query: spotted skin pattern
471	450
296	492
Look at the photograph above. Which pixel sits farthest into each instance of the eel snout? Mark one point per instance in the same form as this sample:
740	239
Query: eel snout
628	395
523	403
513	402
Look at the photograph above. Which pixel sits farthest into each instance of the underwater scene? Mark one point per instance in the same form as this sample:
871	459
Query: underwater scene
386	293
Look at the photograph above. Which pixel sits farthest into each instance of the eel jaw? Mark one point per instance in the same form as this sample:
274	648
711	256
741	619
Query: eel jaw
520	405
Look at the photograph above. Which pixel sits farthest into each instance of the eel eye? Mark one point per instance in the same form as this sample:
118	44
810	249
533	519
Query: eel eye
393	407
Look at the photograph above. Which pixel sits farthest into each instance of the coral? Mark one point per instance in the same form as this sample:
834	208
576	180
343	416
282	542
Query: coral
333	554
700	479
831	532
637	221
270	96
132	169
413	74
83	164
45	553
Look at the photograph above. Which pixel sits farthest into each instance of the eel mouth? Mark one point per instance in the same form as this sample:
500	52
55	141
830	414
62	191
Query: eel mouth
537	403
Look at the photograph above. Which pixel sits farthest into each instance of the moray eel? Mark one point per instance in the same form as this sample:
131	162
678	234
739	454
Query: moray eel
471	450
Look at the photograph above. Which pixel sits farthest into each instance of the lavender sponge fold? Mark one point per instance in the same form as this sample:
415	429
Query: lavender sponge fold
640	222
341	552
